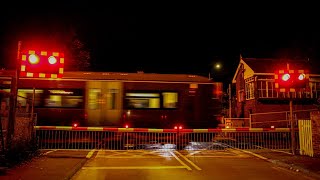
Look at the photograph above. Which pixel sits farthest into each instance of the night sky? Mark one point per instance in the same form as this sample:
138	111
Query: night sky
167	38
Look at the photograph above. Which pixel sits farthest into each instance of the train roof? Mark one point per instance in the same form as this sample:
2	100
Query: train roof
123	76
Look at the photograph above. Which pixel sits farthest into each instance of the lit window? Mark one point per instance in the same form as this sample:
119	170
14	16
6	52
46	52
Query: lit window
93	100
142	100
170	99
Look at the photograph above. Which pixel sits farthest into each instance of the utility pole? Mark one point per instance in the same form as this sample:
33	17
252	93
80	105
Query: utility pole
13	100
293	137
230	103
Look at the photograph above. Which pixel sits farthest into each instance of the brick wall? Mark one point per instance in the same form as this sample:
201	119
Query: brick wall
315	118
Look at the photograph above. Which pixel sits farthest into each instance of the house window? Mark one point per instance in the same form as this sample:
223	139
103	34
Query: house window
249	87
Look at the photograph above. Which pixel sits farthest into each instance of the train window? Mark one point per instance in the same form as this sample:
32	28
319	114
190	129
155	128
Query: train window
63	98
25	97
53	101
170	99
142	100
93	100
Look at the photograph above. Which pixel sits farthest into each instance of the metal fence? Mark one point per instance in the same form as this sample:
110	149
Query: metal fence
280	119
189	139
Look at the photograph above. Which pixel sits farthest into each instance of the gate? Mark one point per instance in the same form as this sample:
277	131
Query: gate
305	137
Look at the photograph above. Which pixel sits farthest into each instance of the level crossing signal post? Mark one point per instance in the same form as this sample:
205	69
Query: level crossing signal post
32	63
290	81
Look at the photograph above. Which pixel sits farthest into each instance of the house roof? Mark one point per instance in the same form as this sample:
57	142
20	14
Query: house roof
271	65
266	66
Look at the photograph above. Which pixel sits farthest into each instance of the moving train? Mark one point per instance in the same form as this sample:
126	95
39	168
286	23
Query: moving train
115	99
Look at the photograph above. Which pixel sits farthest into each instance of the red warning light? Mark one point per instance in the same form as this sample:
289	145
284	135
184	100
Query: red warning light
75	125
41	64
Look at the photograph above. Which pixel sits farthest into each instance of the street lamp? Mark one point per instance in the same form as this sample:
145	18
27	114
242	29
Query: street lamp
214	66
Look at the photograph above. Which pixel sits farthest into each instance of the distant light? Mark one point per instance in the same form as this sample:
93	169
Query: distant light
286	77
52	60
272	126
180	127
33	59
127	126
176	127
218	66
75	125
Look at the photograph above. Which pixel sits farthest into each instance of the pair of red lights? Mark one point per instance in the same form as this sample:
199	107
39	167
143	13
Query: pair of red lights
34	59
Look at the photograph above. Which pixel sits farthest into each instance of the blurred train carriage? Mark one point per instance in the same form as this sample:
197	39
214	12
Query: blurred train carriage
139	100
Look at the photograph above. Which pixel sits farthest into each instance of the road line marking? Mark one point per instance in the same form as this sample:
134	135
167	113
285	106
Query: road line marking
254	154
239	156
49	152
281	151
275	150
196	152
89	155
136	167
181	162
197	167
68	149
137	157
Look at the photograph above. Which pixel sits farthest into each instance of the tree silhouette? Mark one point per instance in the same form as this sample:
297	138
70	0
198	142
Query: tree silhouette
78	57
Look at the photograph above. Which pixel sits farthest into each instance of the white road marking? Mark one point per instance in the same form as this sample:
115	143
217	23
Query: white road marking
49	152
136	167
181	162
197	167
129	157
254	154
89	155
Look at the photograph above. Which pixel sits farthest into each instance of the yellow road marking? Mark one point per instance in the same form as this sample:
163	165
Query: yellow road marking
89	155
49	152
196	152
140	157
239	156
136	167
254	154
197	167
181	162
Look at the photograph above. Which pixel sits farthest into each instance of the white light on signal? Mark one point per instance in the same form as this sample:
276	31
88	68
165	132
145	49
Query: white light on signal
285	77
301	77
52	60
33	59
